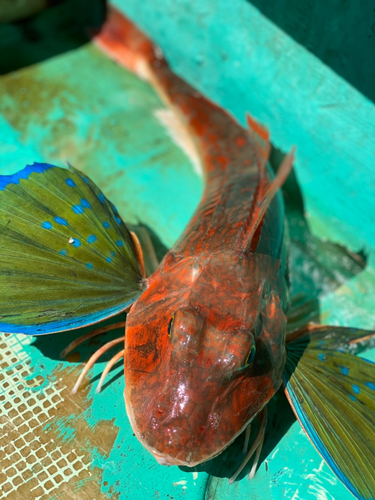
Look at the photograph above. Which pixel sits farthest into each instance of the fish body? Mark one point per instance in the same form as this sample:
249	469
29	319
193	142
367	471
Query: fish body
186	375
205	343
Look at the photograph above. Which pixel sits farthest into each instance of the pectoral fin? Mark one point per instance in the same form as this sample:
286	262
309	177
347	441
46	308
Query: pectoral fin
66	258
332	394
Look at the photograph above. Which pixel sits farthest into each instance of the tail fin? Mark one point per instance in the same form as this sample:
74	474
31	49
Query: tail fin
332	394
66	258
121	40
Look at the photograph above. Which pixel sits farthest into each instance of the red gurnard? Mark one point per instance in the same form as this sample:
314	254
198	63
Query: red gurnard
205	342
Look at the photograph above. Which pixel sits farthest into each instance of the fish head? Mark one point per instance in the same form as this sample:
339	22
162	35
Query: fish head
201	359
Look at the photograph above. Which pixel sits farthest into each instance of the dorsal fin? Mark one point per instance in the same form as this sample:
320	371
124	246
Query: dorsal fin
259	209
261	138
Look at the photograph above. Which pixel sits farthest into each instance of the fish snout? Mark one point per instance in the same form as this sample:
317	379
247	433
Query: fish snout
165	460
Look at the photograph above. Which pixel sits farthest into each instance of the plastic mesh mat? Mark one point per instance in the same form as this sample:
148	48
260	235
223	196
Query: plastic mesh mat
38	462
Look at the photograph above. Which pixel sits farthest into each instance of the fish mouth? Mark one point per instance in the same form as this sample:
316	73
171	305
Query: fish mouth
165	459
162	459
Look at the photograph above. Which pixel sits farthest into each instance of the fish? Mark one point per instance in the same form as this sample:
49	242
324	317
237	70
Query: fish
206	344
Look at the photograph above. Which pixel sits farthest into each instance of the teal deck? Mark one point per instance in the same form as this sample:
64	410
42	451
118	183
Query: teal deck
80	107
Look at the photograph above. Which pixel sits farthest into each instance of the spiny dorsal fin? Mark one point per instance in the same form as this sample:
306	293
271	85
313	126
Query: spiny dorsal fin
261	137
258	211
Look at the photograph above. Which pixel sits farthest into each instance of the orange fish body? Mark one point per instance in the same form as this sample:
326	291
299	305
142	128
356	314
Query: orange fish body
205	343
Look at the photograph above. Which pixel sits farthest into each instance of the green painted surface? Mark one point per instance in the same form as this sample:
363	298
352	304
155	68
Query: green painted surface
340	33
81	107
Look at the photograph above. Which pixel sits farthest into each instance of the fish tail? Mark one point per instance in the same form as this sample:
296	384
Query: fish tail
121	40
210	137
199	124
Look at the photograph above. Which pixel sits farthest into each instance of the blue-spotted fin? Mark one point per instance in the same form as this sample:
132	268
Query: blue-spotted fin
332	393
67	259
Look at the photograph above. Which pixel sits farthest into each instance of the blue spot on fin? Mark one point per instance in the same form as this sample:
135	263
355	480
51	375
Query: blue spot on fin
61	221
77	209
92	238
85	203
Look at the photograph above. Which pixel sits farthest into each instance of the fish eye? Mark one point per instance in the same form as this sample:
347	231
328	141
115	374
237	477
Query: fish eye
250	356
170	325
